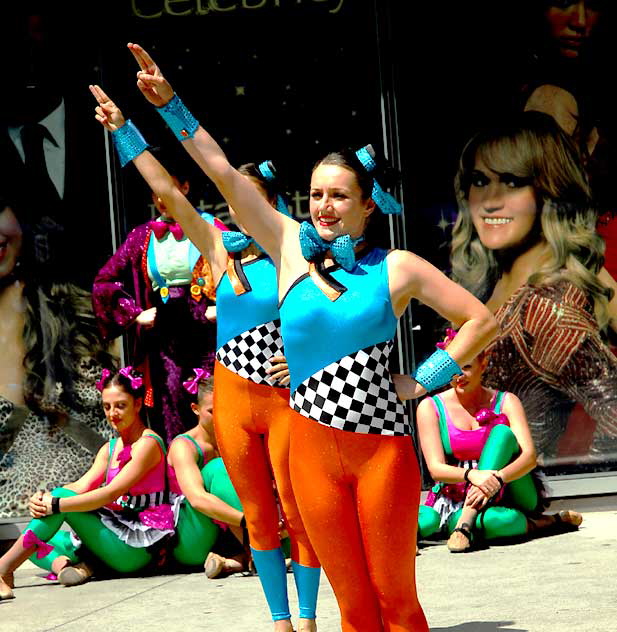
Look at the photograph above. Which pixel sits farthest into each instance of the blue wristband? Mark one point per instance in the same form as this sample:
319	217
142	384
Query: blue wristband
437	370
129	142
179	119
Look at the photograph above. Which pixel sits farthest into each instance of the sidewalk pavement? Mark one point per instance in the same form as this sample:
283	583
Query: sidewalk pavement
550	584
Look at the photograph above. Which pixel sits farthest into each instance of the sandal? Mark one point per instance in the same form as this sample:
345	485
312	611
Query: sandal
218	566
7	593
568	520
75	574
454	544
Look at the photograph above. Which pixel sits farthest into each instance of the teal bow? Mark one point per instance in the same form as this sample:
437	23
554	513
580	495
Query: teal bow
342	248
235	241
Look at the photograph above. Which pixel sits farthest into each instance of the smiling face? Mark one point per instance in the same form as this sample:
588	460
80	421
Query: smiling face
121	408
10	241
337	205
503	207
570	23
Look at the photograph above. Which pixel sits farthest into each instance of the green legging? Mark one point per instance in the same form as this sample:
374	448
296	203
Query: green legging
102	542
62	546
506	520
195	532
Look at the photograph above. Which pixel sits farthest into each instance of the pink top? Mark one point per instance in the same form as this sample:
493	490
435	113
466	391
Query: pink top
466	445
154	479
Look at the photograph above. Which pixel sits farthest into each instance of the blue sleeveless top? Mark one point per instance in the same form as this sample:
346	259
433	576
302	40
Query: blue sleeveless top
338	351
248	325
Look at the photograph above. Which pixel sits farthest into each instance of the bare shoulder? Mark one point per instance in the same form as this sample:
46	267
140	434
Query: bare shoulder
426	407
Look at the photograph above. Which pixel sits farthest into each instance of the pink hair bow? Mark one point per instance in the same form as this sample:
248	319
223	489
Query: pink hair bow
135	380
105	373
42	548
450	334
192	385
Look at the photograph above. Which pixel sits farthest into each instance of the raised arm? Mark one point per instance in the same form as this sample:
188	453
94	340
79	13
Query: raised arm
205	236
182	459
269	228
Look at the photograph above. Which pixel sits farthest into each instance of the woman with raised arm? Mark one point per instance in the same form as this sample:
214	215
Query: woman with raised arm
353	466
250	411
118	508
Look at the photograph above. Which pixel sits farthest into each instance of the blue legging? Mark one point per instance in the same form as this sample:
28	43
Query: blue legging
506	520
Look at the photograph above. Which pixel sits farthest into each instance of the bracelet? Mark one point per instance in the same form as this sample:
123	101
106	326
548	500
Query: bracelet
466	475
501	482
179	118
437	370
129	142
55	504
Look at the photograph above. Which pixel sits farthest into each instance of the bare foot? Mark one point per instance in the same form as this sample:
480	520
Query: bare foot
284	625
307	625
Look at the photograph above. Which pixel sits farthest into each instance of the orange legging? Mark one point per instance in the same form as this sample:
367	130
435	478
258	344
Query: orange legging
251	422
358	495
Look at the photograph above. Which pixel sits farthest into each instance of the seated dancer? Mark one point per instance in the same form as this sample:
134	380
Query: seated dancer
197	472
477	444
119	508
251	410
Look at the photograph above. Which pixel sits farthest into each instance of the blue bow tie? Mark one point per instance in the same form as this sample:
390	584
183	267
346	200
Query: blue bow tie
235	241
342	248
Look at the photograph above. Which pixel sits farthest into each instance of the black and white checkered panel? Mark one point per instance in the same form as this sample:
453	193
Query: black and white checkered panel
356	394
249	353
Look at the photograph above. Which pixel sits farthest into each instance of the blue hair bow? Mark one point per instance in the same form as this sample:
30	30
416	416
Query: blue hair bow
386	203
266	168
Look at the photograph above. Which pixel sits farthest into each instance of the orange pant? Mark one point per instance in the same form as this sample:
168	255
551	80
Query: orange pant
251	422
358	495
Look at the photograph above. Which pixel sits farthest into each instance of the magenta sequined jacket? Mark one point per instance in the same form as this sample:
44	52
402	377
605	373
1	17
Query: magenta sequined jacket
181	339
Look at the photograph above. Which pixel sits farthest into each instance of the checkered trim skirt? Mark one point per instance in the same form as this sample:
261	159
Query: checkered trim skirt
249	353
355	393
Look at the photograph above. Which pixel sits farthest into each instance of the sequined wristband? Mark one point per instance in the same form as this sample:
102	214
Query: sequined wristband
179	118
437	370
129	142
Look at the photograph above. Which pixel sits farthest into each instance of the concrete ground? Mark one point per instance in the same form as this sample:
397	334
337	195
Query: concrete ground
550	584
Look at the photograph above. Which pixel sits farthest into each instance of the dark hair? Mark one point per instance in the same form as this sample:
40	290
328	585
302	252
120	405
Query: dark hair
125	383
271	187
